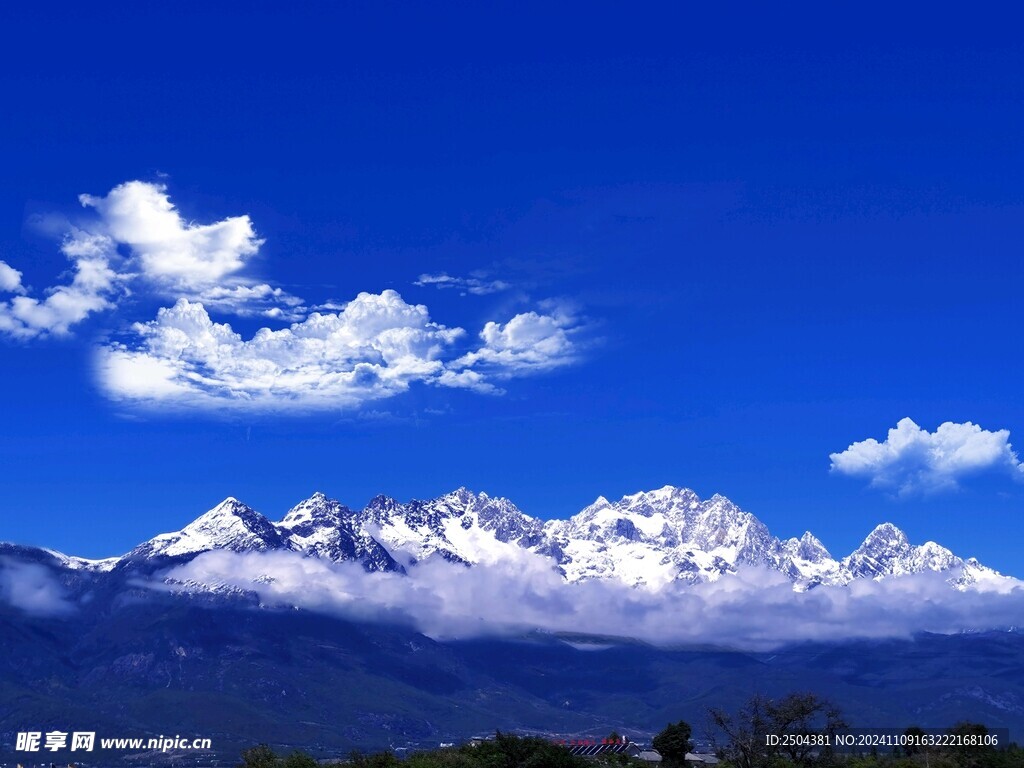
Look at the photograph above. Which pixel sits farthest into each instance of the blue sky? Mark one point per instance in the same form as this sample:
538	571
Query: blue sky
714	248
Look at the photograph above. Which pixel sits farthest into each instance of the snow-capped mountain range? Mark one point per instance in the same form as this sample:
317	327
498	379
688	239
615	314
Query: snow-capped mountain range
646	540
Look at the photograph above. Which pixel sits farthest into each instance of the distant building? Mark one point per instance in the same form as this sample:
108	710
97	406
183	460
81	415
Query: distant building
596	748
696	758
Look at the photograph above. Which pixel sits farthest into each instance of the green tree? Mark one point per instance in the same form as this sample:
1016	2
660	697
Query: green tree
260	756
742	737
378	760
971	755
673	743
806	715
913	733
300	760
510	751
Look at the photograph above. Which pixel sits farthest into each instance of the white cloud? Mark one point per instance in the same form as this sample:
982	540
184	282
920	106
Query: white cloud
169	249
255	300
752	609
476	285
10	279
341	355
912	460
528	343
183	259
374	348
33	588
166	254
91	290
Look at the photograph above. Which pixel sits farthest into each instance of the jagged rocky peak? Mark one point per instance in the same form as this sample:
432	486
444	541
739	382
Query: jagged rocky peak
720	524
885	539
317	510
666	500
809	548
461	495
887	552
380	509
507	522
718	510
325	528
657	514
456	503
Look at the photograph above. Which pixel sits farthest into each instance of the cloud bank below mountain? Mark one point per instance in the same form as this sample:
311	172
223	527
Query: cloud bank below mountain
753	609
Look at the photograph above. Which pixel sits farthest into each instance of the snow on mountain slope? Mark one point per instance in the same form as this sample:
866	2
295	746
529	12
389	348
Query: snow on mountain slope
230	525
649	539
807	562
636	539
461	527
325	528
83	563
887	552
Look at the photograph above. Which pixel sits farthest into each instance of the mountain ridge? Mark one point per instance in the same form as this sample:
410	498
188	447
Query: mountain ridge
645	540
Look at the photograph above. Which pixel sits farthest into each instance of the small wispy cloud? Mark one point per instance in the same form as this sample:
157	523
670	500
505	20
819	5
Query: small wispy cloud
254	300
476	285
33	588
754	608
913	460
10	279
93	288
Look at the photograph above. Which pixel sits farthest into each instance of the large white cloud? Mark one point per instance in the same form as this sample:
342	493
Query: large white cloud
186	255
374	348
753	609
913	460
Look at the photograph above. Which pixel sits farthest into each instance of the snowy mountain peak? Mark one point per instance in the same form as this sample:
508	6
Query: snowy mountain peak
809	548
315	512
887	552
461	495
230	518
230	525
885	538
325	528
381	505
